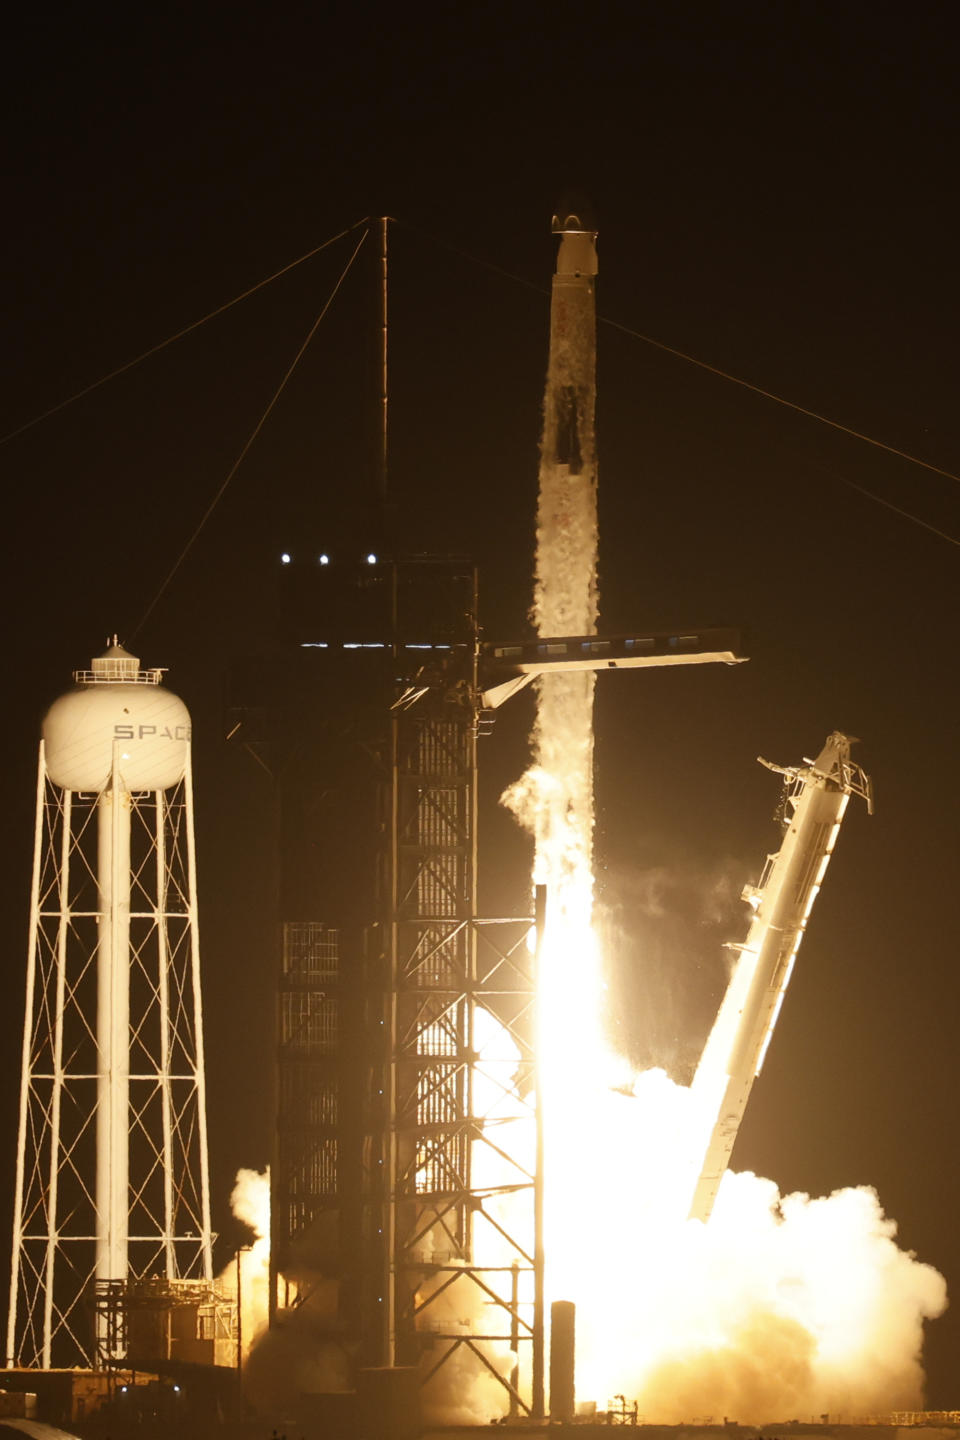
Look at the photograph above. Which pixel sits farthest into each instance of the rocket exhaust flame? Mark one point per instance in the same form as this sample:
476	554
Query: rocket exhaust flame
780	1305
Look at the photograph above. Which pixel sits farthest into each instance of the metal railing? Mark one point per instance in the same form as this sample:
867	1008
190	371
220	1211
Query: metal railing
118	672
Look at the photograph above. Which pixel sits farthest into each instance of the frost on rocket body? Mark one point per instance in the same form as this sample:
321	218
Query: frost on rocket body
554	799
565	596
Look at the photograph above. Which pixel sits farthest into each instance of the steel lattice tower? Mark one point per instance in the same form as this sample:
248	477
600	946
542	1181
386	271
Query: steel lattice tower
461	1165
112	1182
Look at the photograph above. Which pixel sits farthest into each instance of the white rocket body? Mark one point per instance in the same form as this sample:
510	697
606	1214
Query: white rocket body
566	590
735	1050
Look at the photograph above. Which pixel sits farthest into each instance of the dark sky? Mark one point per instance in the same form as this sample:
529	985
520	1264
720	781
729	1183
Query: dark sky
776	196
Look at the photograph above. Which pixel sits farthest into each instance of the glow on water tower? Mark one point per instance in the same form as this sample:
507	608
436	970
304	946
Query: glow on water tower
112	1183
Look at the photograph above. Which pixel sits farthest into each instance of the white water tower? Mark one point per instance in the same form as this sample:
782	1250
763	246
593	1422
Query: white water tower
112	1182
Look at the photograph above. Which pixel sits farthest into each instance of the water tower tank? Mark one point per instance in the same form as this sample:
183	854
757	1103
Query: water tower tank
117	701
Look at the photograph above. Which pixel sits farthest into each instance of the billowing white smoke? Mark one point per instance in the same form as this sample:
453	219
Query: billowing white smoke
249	1271
778	1307
296	1358
250	1201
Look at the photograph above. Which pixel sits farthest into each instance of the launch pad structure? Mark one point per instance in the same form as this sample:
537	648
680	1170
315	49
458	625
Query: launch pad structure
397	1139
437	1264
407	1077
386	1096
429	1260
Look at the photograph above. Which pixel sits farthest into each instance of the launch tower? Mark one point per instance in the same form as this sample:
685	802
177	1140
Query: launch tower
405	1044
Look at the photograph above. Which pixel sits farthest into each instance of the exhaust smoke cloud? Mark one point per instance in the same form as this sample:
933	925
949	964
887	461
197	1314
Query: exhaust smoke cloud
247	1276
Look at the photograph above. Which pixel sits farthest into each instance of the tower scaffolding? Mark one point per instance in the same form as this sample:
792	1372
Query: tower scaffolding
436	1058
460	1147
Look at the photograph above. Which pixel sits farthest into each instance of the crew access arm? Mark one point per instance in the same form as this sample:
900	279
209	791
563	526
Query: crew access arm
816	797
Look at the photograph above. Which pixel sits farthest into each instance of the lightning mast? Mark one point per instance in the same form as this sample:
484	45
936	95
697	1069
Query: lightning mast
816	798
112	1182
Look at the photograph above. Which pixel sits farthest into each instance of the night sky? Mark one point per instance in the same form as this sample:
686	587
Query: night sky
775	192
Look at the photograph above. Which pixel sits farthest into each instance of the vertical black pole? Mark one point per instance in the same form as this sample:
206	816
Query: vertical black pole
239	1333
382	455
392	1295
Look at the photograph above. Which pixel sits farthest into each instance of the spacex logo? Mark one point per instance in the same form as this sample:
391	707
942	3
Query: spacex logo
147	732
